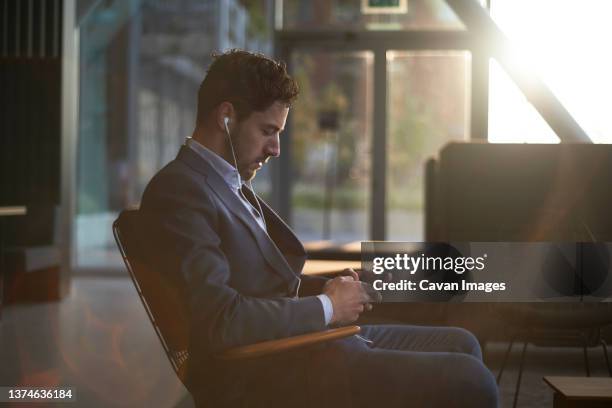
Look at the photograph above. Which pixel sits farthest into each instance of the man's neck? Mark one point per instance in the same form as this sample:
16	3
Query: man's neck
216	143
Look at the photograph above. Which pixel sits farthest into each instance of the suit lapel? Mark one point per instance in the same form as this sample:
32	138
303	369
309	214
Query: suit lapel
267	247
286	241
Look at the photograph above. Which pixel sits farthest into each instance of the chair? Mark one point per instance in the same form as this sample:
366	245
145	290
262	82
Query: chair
527	193
168	315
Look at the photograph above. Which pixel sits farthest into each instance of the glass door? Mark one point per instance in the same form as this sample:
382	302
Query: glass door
428	106
331	128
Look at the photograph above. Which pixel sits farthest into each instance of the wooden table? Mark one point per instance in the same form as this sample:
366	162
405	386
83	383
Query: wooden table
14	210
351	251
328	250
321	267
581	392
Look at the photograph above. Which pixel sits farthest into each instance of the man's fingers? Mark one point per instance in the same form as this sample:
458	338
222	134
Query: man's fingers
352	273
368	307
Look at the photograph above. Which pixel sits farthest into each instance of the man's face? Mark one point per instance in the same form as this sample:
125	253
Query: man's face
256	138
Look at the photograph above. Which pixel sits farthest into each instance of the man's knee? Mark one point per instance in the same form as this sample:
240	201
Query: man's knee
472	383
466	342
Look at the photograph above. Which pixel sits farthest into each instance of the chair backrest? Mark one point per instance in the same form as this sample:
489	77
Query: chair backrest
161	299
520	192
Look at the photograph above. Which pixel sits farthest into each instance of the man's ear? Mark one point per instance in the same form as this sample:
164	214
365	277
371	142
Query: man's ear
224	110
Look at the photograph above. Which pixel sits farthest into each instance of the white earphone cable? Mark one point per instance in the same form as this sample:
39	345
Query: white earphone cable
249	184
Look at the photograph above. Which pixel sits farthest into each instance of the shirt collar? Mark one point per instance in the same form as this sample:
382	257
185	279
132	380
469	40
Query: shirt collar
227	172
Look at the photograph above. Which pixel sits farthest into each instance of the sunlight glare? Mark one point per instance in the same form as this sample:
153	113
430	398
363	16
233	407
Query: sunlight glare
567	43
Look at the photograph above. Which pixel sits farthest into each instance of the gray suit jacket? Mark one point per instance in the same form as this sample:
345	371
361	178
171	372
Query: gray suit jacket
240	284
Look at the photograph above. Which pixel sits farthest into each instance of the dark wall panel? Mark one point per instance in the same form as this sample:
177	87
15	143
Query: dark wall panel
30	97
30	131
30	28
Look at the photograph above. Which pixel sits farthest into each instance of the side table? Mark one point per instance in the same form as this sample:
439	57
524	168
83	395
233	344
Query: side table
581	392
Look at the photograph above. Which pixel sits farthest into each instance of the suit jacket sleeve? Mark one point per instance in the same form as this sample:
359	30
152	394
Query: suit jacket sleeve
182	221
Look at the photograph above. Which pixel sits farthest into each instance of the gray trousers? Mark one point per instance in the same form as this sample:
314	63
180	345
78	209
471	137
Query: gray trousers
403	366
410	366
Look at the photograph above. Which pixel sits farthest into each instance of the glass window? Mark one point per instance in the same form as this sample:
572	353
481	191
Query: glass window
512	118
428	107
141	64
330	149
565	42
363	15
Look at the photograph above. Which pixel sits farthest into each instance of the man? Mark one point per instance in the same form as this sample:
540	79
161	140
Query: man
239	267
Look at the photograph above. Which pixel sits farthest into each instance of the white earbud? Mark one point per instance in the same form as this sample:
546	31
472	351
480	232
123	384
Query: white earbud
226	121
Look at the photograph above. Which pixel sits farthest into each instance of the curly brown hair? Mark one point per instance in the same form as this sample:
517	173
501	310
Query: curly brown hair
249	81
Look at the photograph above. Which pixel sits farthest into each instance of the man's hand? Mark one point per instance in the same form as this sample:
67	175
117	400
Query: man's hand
355	275
348	298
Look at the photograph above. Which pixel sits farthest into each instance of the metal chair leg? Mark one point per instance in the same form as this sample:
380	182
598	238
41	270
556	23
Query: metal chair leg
585	347
504	361
520	375
605	350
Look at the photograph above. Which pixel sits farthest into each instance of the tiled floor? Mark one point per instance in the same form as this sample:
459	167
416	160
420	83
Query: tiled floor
99	341
540	362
